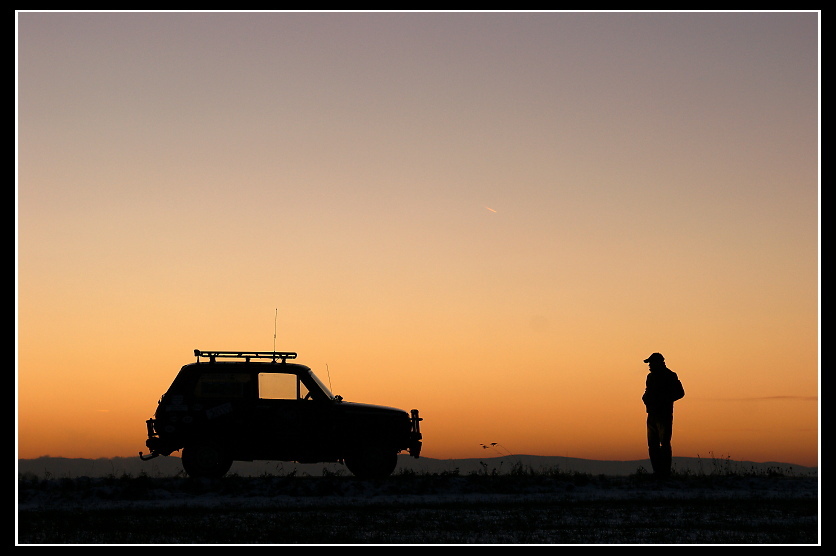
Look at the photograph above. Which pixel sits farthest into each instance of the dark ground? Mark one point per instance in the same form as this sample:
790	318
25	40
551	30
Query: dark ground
420	509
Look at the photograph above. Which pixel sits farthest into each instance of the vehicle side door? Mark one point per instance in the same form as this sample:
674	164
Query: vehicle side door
287	424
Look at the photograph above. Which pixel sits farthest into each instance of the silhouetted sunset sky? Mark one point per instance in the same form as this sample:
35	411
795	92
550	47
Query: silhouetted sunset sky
492	217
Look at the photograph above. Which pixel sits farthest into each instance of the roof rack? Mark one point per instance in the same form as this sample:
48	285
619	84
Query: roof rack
246	355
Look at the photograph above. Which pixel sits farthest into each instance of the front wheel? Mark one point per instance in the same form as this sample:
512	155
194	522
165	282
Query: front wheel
372	462
206	460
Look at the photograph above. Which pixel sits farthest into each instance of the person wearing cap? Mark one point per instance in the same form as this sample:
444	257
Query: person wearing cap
662	388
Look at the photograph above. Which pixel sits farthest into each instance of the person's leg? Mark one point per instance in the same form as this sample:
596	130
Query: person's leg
654	444
665	450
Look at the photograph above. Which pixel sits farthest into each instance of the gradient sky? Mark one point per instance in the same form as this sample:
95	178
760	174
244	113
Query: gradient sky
491	217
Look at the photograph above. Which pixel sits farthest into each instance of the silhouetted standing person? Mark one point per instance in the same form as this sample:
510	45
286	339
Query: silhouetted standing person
662	389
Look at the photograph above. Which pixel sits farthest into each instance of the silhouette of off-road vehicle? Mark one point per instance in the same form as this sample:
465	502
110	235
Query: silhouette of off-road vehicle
252	405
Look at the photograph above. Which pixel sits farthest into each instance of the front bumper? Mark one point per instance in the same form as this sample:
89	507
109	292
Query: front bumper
415	434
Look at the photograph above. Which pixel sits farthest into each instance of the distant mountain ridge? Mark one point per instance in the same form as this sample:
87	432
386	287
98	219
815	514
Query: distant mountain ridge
57	467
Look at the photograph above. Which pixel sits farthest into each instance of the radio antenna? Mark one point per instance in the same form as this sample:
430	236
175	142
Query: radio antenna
275	320
329	377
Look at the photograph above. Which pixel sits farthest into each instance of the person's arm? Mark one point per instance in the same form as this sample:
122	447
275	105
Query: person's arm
677	390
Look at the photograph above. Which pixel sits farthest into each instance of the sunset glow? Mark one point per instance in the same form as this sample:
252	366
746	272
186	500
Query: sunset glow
315	181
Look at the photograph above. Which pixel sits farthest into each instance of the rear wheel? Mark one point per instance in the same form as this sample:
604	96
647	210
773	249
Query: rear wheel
372	462
206	460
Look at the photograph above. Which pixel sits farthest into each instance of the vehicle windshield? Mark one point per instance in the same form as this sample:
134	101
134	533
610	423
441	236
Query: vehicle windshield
321	385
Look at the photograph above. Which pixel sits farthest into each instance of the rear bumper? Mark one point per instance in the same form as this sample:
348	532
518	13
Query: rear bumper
157	445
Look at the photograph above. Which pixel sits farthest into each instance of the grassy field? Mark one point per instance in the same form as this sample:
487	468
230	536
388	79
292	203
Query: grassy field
519	507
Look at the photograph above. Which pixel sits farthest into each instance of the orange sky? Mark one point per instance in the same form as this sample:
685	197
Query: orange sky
493	218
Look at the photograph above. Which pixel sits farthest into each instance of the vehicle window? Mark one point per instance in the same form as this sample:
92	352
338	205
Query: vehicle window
319	383
221	385
280	386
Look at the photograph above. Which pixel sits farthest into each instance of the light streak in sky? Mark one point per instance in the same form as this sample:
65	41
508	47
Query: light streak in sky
490	209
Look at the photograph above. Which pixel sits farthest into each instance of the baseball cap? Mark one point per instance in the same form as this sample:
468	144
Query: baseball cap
654	357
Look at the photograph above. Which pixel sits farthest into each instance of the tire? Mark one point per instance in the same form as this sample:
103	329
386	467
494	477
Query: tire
205	460
372	463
